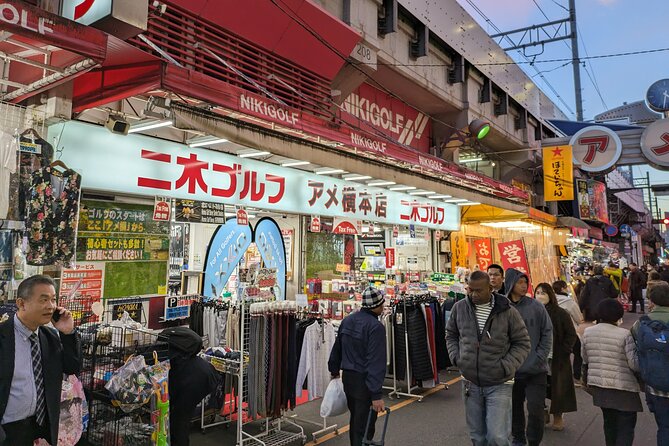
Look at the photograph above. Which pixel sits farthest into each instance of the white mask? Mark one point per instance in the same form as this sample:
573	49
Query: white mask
542	298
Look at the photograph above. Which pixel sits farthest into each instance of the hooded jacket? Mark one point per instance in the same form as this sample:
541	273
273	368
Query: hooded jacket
492	357
538	324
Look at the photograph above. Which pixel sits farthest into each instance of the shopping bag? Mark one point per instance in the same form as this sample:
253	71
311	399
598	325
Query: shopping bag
334	401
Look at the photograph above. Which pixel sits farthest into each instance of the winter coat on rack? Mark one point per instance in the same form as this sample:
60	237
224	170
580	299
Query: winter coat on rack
563	394
490	358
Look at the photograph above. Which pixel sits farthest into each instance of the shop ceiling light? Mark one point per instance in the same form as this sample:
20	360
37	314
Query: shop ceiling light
149	124
399	188
422	192
252	154
356	177
328	171
479	128
439	197
381	183
471	160
205	141
469	203
294	163
456	200
518	225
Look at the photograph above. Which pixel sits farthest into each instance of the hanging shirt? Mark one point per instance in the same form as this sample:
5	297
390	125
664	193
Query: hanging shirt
318	341
8	149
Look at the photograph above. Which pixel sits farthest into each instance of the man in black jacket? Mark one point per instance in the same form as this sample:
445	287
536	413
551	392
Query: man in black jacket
496	273
596	289
487	340
33	359
360	352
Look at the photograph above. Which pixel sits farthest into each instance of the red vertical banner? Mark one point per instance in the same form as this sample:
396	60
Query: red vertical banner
513	255
390	257
483	249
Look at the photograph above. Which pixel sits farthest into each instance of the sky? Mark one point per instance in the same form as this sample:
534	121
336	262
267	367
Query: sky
605	27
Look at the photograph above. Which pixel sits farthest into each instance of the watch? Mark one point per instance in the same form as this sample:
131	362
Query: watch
657	96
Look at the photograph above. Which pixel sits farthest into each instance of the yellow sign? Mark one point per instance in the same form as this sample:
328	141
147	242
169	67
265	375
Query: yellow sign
459	251
558	173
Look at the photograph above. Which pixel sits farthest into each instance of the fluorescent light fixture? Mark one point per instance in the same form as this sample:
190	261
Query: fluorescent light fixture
469	203
356	177
149	125
381	183
456	200
513	224
252	154
207	141
328	171
471	160
230	214
294	163
439	197
422	192
398	188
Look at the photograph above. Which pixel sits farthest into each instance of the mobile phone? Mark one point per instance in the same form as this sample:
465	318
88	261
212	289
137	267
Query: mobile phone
55	316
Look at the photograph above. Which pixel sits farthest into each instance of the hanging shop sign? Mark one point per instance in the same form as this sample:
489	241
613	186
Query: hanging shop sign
513	255
315	224
611	230
558	173
176	307
288	235
368	106
391	258
396	231
591	200
459	251
162	209
121	18
87	12
226	249
596	148
134	310
268	239
655	143
157	167
194	211
483	248
242	217
346	227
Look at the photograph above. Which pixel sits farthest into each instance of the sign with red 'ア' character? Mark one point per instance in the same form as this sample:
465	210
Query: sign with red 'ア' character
242	217
161	210
513	256
315	225
483	248
596	148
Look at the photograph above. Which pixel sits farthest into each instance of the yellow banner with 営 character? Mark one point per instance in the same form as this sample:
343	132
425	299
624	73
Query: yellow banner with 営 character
558	173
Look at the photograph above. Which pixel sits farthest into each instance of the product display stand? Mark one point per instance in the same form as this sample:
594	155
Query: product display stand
409	387
229	368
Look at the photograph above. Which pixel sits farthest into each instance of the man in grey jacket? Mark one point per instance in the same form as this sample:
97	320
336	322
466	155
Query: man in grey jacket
531	378
487	340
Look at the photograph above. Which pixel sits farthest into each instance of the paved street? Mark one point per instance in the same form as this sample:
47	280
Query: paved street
439	420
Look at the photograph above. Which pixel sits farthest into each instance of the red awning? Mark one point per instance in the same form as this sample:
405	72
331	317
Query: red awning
294	29
44	49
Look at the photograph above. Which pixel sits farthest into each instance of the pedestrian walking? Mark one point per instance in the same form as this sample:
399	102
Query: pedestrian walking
560	390
531	378
487	340
567	303
654	279
637	280
359	353
650	334
496	274
613	272
596	289
610	361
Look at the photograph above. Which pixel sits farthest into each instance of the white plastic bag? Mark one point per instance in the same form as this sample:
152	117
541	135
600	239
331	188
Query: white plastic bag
334	401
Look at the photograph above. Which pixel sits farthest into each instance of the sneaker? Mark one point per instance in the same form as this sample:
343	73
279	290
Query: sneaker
578	383
558	422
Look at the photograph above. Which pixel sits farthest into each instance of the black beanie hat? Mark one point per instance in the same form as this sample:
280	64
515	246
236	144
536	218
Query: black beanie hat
610	310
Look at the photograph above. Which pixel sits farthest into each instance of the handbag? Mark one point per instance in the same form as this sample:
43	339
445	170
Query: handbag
334	401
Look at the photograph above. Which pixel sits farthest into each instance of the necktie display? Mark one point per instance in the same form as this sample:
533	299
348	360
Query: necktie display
40	406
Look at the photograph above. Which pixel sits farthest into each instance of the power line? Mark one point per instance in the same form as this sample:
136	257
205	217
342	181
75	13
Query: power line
561	6
594	76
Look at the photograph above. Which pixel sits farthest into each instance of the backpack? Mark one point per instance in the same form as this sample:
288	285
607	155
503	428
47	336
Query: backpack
652	340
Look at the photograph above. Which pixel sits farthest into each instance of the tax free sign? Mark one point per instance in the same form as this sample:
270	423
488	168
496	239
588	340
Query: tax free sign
141	165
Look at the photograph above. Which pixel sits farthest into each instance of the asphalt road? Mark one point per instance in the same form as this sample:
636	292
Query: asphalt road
439	420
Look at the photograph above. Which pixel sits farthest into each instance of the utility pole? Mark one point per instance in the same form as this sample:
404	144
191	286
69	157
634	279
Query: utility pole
549	32
576	61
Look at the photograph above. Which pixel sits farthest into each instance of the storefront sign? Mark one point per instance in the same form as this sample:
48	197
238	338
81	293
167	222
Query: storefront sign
268	239
655	143
483	248
315	225
592	204
242	217
162	209
459	251
369	106
176	307
596	233
345	227
390	258
288	235
86	281
226	249
513	256
134	310
524	187
596	148
558	173
193	211
157	167
19	17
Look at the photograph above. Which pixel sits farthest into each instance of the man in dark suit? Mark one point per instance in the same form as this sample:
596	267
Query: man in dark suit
33	359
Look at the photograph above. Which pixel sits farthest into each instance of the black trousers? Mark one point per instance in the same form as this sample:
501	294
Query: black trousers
25	432
530	388
359	403
578	359
619	427
641	304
